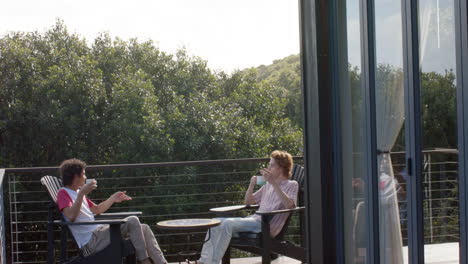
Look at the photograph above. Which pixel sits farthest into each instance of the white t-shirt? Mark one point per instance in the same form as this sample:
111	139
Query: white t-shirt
82	233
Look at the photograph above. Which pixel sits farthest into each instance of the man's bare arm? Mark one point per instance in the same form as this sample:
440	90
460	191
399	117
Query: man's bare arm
249	194
115	198
71	213
285	200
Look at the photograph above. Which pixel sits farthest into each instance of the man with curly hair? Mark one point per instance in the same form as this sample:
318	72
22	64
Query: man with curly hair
76	207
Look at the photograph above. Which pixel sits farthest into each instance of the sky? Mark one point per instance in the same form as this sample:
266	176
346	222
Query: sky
230	35
437	34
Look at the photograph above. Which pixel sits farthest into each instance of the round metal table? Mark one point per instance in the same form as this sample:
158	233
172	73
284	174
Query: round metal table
189	225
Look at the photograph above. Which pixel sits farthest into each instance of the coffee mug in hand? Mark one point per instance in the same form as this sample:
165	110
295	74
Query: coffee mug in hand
260	180
90	180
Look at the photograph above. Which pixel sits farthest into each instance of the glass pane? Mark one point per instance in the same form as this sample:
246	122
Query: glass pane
390	113
439	142
352	114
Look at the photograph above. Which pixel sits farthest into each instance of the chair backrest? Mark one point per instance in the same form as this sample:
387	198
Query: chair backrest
53	185
360	228
297	175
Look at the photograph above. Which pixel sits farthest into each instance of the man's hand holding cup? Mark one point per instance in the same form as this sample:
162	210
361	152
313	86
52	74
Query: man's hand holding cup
90	185
266	173
253	181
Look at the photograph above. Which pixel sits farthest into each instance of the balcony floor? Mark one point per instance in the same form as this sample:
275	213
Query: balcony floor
446	253
258	260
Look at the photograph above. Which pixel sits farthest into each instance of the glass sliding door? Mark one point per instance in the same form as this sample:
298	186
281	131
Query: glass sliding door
461	39
391	74
389	114
439	130
438	139
352	133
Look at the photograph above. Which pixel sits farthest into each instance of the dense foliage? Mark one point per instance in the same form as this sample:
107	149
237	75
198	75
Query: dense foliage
127	101
438	98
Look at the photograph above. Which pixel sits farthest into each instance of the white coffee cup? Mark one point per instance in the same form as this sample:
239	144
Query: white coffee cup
260	180
90	180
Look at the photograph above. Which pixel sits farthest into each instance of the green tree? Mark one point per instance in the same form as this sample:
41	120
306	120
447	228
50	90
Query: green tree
439	110
126	101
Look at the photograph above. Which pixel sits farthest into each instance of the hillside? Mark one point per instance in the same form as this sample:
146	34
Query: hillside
285	75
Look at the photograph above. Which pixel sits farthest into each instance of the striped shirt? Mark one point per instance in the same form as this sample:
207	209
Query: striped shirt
269	200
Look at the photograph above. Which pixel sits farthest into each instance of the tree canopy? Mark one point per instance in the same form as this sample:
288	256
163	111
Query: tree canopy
127	101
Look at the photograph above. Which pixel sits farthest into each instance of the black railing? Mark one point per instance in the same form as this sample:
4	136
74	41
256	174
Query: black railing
440	180
2	222
189	189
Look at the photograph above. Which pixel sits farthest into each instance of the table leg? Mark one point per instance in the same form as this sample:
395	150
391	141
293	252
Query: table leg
188	243
181	259
188	247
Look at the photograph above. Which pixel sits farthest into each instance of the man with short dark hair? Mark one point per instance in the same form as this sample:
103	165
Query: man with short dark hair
76	207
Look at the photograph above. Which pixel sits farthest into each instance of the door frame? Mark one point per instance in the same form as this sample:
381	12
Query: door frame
319	136
461	47
413	130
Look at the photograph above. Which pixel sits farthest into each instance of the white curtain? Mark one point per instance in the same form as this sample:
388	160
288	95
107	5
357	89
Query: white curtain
390	118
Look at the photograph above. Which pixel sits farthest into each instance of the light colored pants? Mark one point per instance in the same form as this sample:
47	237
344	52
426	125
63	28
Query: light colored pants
214	249
142	238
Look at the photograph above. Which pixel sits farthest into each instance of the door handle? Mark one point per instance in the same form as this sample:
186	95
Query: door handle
409	166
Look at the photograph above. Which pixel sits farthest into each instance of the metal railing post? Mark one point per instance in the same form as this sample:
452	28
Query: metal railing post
430	198
2	221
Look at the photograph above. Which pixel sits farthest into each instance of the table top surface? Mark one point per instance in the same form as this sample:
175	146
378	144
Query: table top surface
233	208
188	224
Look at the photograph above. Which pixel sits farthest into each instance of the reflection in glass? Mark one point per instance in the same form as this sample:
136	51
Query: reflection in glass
438	91
390	118
439	141
352	131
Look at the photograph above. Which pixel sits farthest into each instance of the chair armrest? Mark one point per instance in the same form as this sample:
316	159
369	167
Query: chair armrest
229	209
118	215
275	212
97	222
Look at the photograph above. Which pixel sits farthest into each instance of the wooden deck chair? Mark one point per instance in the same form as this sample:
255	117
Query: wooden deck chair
113	253
265	245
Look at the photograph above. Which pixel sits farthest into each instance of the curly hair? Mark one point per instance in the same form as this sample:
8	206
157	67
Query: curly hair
284	161
69	168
